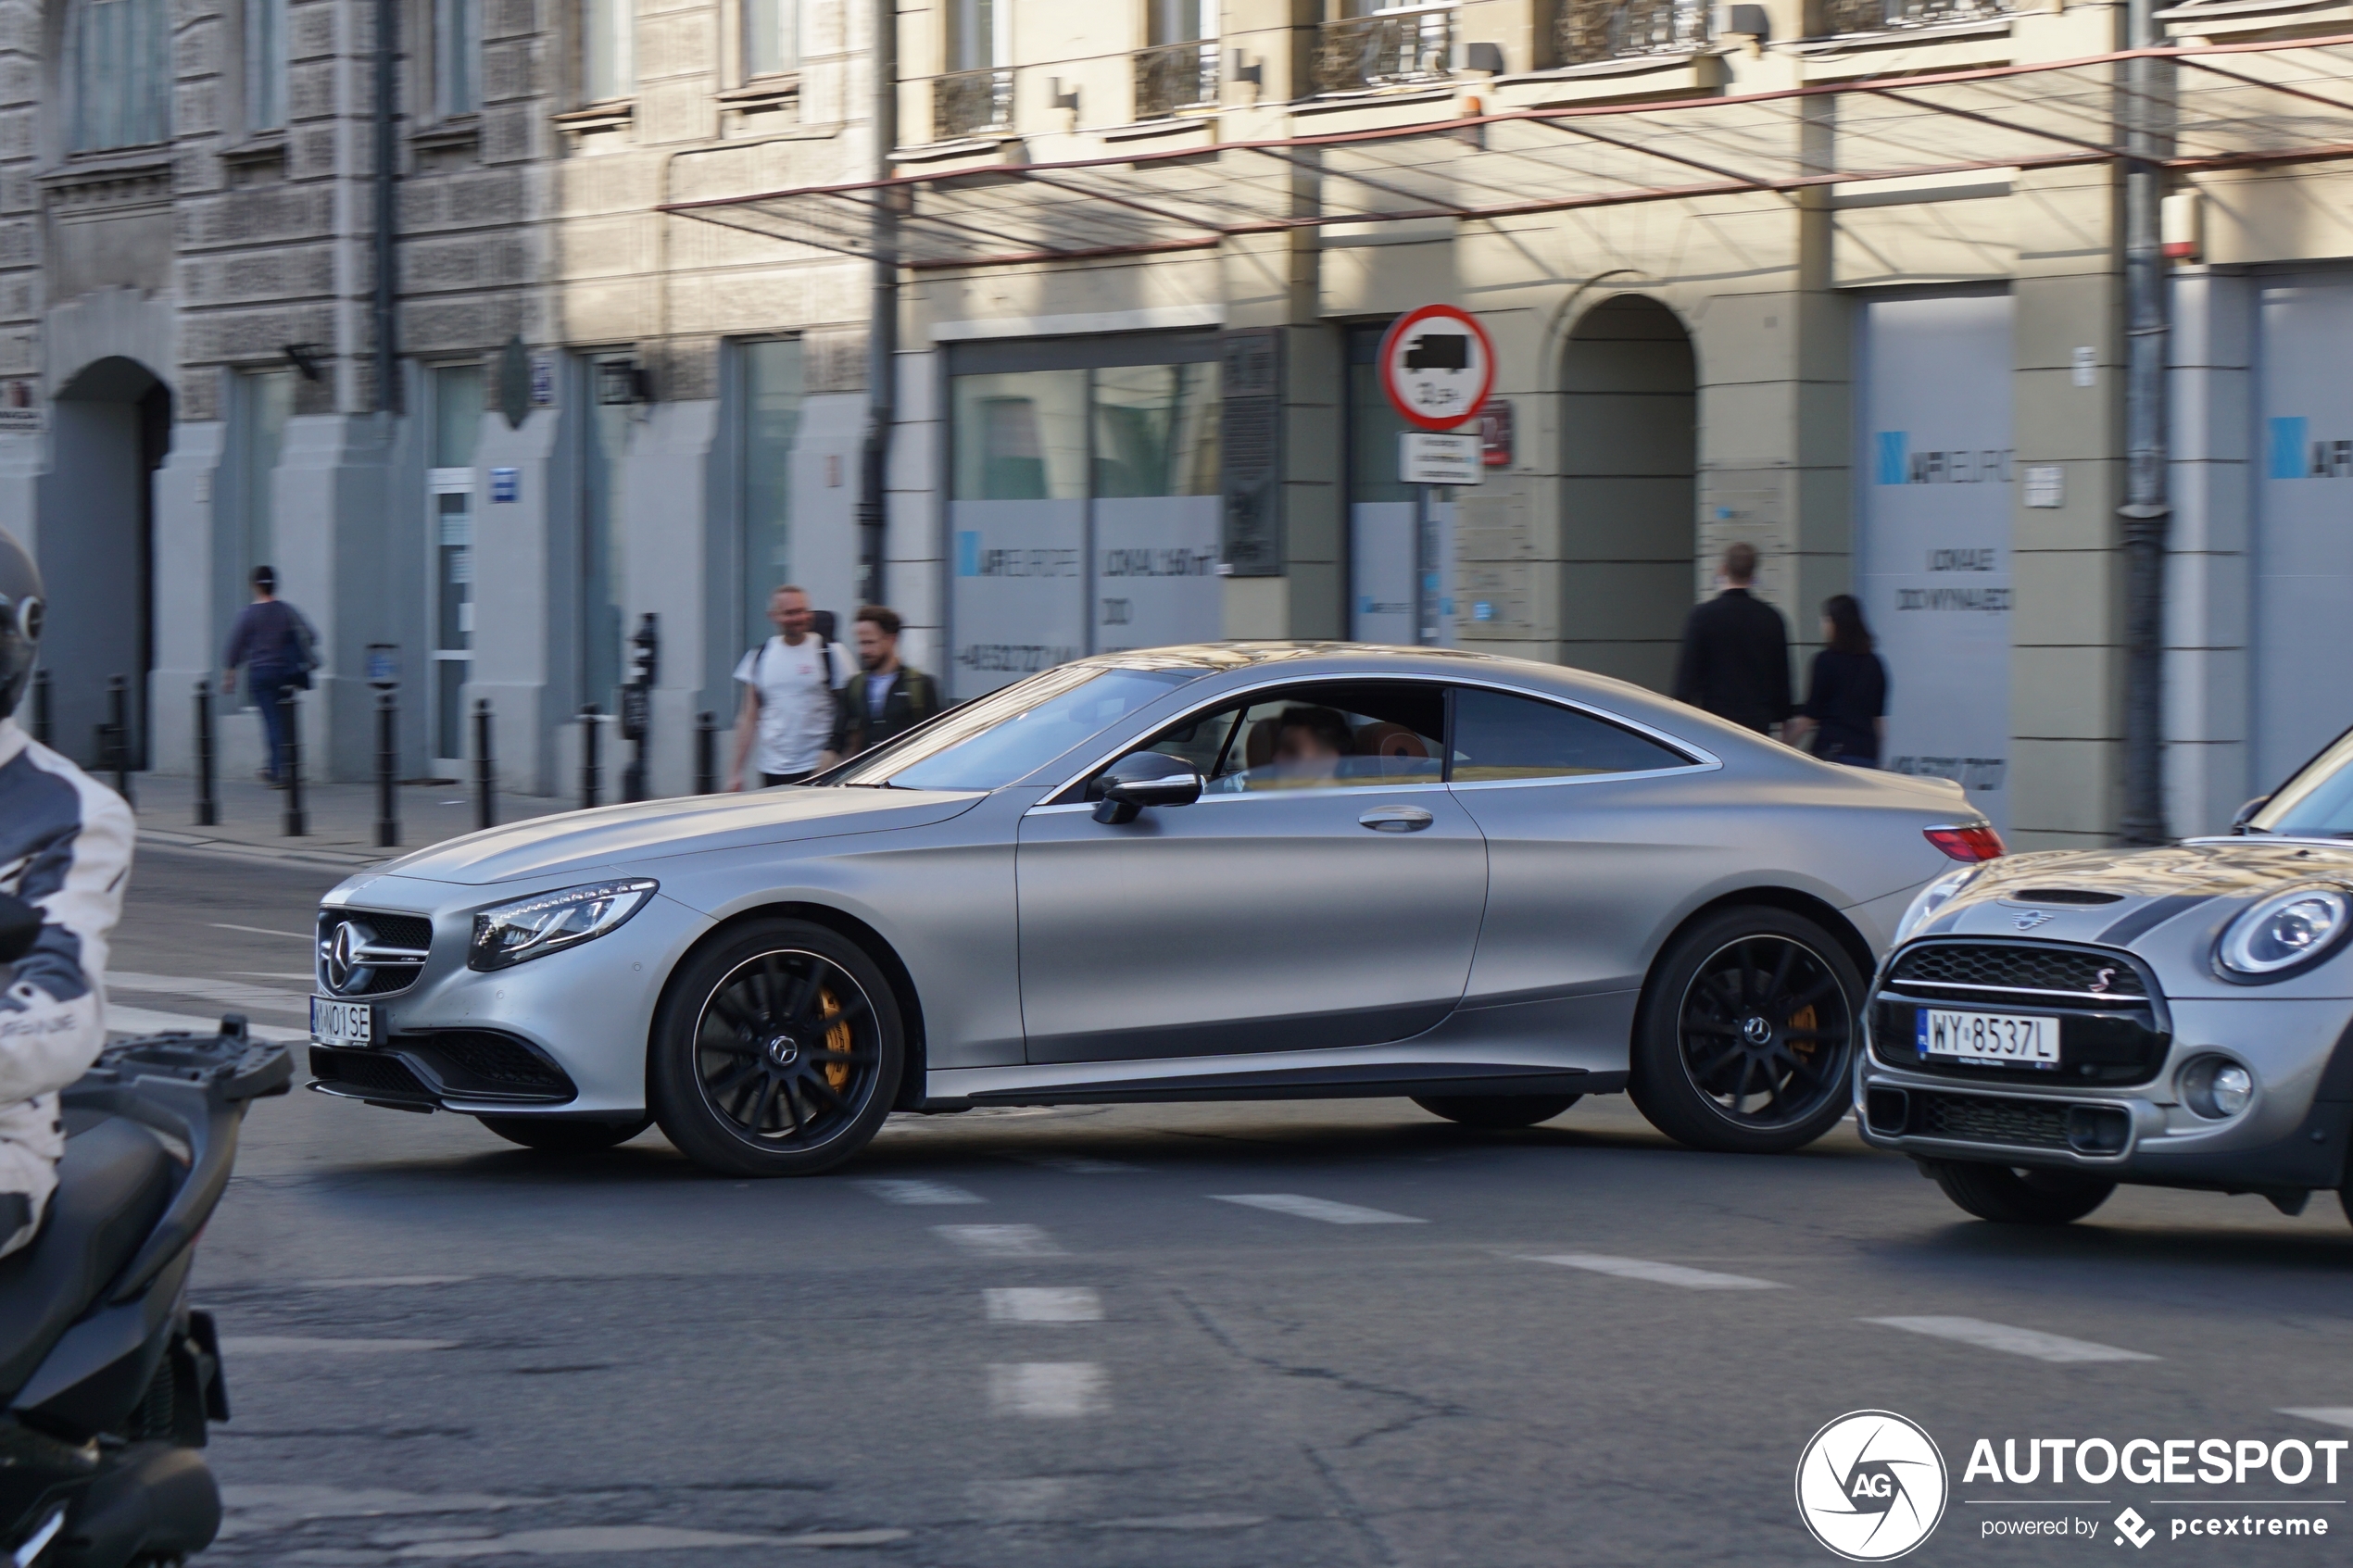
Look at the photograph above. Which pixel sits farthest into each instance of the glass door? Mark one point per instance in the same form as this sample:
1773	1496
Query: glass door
450	525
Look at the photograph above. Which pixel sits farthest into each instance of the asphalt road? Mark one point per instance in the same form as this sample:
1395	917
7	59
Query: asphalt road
1056	1337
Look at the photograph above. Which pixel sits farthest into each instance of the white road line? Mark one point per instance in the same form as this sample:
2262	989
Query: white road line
226	993
2334	1415
1048	1389
633	1537
2002	1336
1657	1274
1322	1209
920	1192
259	931
139	1021
287	1345
1072	1303
1000	1241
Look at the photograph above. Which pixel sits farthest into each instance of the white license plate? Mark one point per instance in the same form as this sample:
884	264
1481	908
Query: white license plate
342	1023
1996	1039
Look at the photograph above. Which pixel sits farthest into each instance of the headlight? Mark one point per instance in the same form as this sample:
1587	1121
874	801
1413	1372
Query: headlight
2285	933
531	928
1932	897
2216	1087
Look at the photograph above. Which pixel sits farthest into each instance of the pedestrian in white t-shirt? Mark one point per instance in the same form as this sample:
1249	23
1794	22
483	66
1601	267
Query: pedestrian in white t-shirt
789	684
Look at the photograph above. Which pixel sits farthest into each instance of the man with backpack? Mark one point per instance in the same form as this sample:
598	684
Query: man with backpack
886	698
279	650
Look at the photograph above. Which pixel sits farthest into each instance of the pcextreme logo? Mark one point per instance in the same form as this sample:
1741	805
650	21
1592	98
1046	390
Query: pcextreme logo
1871	1486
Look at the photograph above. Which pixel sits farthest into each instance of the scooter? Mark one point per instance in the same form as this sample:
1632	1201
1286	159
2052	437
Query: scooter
108	1377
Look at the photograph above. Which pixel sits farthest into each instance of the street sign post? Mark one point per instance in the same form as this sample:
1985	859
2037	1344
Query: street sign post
1437	369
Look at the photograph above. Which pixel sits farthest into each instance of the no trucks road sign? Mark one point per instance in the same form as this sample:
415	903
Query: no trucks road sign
1437	367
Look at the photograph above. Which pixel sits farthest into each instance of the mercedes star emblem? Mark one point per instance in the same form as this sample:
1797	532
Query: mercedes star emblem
343	954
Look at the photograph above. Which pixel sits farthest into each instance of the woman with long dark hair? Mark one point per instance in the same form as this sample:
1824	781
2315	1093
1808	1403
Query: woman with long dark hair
1845	709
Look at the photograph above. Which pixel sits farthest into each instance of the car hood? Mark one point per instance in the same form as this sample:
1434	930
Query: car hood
614	836
2087	894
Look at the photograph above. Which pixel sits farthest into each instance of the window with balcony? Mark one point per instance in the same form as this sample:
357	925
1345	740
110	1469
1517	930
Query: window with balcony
119	61
975	91
1875	16
771	37
1384	46
608	53
1177	67
1608	29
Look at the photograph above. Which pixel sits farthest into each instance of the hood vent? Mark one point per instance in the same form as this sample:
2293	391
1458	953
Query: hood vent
2061	895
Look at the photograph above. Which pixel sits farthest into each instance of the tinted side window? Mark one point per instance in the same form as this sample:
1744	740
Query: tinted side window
1499	737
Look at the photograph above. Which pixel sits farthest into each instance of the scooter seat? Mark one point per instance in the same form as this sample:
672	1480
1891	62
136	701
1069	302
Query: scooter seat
112	1186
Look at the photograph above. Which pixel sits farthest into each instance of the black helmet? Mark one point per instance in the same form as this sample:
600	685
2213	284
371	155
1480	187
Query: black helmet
20	611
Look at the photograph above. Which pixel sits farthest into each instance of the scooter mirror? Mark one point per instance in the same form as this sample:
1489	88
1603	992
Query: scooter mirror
19	928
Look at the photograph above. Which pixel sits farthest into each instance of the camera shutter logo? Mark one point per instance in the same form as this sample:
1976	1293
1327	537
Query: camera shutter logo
1871	1486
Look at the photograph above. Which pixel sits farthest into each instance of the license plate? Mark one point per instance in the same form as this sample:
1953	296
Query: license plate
342	1023
1994	1039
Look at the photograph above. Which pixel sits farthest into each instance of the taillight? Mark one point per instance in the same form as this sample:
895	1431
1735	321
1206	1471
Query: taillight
1977	842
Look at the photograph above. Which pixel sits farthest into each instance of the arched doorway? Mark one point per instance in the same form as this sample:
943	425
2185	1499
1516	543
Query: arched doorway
109	430
1630	524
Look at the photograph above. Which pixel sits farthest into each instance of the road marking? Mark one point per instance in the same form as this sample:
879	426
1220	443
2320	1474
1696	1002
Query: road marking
260	930
1322	1209
1000	1241
634	1538
920	1192
1657	1274
388	1281
304	975
228	993
139	1021
1048	1389
1182	1522
1074	1303
2334	1415
286	1345
2015	1341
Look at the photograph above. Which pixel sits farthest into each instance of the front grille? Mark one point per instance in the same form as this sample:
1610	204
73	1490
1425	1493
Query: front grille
367	1072
498	1060
413	933
2017	1123
2017	966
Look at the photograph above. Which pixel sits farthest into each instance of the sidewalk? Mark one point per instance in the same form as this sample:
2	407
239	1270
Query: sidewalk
341	819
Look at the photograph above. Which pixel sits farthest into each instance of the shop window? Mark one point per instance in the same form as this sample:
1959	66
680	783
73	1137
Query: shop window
264	403
772	384
118	60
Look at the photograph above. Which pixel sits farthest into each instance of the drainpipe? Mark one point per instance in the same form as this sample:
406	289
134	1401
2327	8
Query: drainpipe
2145	513
882	326
387	361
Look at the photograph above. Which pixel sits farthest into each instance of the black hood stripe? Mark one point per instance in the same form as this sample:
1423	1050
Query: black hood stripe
2148	917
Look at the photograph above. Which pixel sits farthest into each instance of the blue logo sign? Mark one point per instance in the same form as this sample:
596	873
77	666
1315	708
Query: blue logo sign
968	552
505	484
1892	468
2287	447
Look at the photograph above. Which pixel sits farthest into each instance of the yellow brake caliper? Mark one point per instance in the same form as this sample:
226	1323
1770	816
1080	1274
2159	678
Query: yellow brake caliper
836	1039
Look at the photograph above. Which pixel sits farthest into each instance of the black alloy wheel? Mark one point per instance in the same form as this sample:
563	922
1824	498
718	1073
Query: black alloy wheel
2018	1195
558	1134
1747	1037
776	1052
1497	1112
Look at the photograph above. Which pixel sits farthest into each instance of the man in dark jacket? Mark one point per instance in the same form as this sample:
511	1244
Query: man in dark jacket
885	698
275	642
1735	659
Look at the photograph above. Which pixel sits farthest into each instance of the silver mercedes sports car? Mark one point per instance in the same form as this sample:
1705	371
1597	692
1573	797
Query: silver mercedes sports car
2050	1025
1229	871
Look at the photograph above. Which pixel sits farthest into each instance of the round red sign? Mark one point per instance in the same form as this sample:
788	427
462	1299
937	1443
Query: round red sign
1436	366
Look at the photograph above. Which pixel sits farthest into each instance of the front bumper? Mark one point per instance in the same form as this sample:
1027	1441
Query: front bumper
2289	1137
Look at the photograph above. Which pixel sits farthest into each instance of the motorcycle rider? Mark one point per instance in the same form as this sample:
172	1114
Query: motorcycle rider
65	849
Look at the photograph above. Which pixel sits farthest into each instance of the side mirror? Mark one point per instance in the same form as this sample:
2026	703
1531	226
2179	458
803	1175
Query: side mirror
1141	779
2247	813
19	928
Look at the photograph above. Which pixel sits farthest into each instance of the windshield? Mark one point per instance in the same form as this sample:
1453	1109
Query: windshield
1012	733
2316	803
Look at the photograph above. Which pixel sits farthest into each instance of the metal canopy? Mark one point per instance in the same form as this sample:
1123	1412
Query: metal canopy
2218	106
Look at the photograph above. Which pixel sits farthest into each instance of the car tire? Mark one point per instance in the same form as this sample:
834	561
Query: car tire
1749	1003
776	1051
2010	1196
1497	1112
555	1135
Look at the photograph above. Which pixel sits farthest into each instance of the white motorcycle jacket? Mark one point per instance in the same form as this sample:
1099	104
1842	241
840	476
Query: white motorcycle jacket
65	847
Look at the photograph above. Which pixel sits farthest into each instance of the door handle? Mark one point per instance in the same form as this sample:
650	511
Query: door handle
1396	819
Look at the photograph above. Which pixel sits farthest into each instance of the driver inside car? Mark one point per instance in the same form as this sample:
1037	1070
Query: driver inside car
65	850
1309	743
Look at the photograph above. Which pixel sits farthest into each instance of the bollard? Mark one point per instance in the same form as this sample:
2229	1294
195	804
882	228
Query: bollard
41	706
208	807
118	724
486	803
706	754
296	825
589	721
387	772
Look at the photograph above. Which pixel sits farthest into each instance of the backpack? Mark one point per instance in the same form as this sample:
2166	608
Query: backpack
305	643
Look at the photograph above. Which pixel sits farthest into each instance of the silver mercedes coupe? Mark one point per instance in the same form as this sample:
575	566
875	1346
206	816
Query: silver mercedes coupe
1228	871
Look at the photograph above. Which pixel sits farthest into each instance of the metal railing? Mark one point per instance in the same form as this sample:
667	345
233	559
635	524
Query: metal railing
1609	30
1175	76
966	103
1390	49
1877	15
